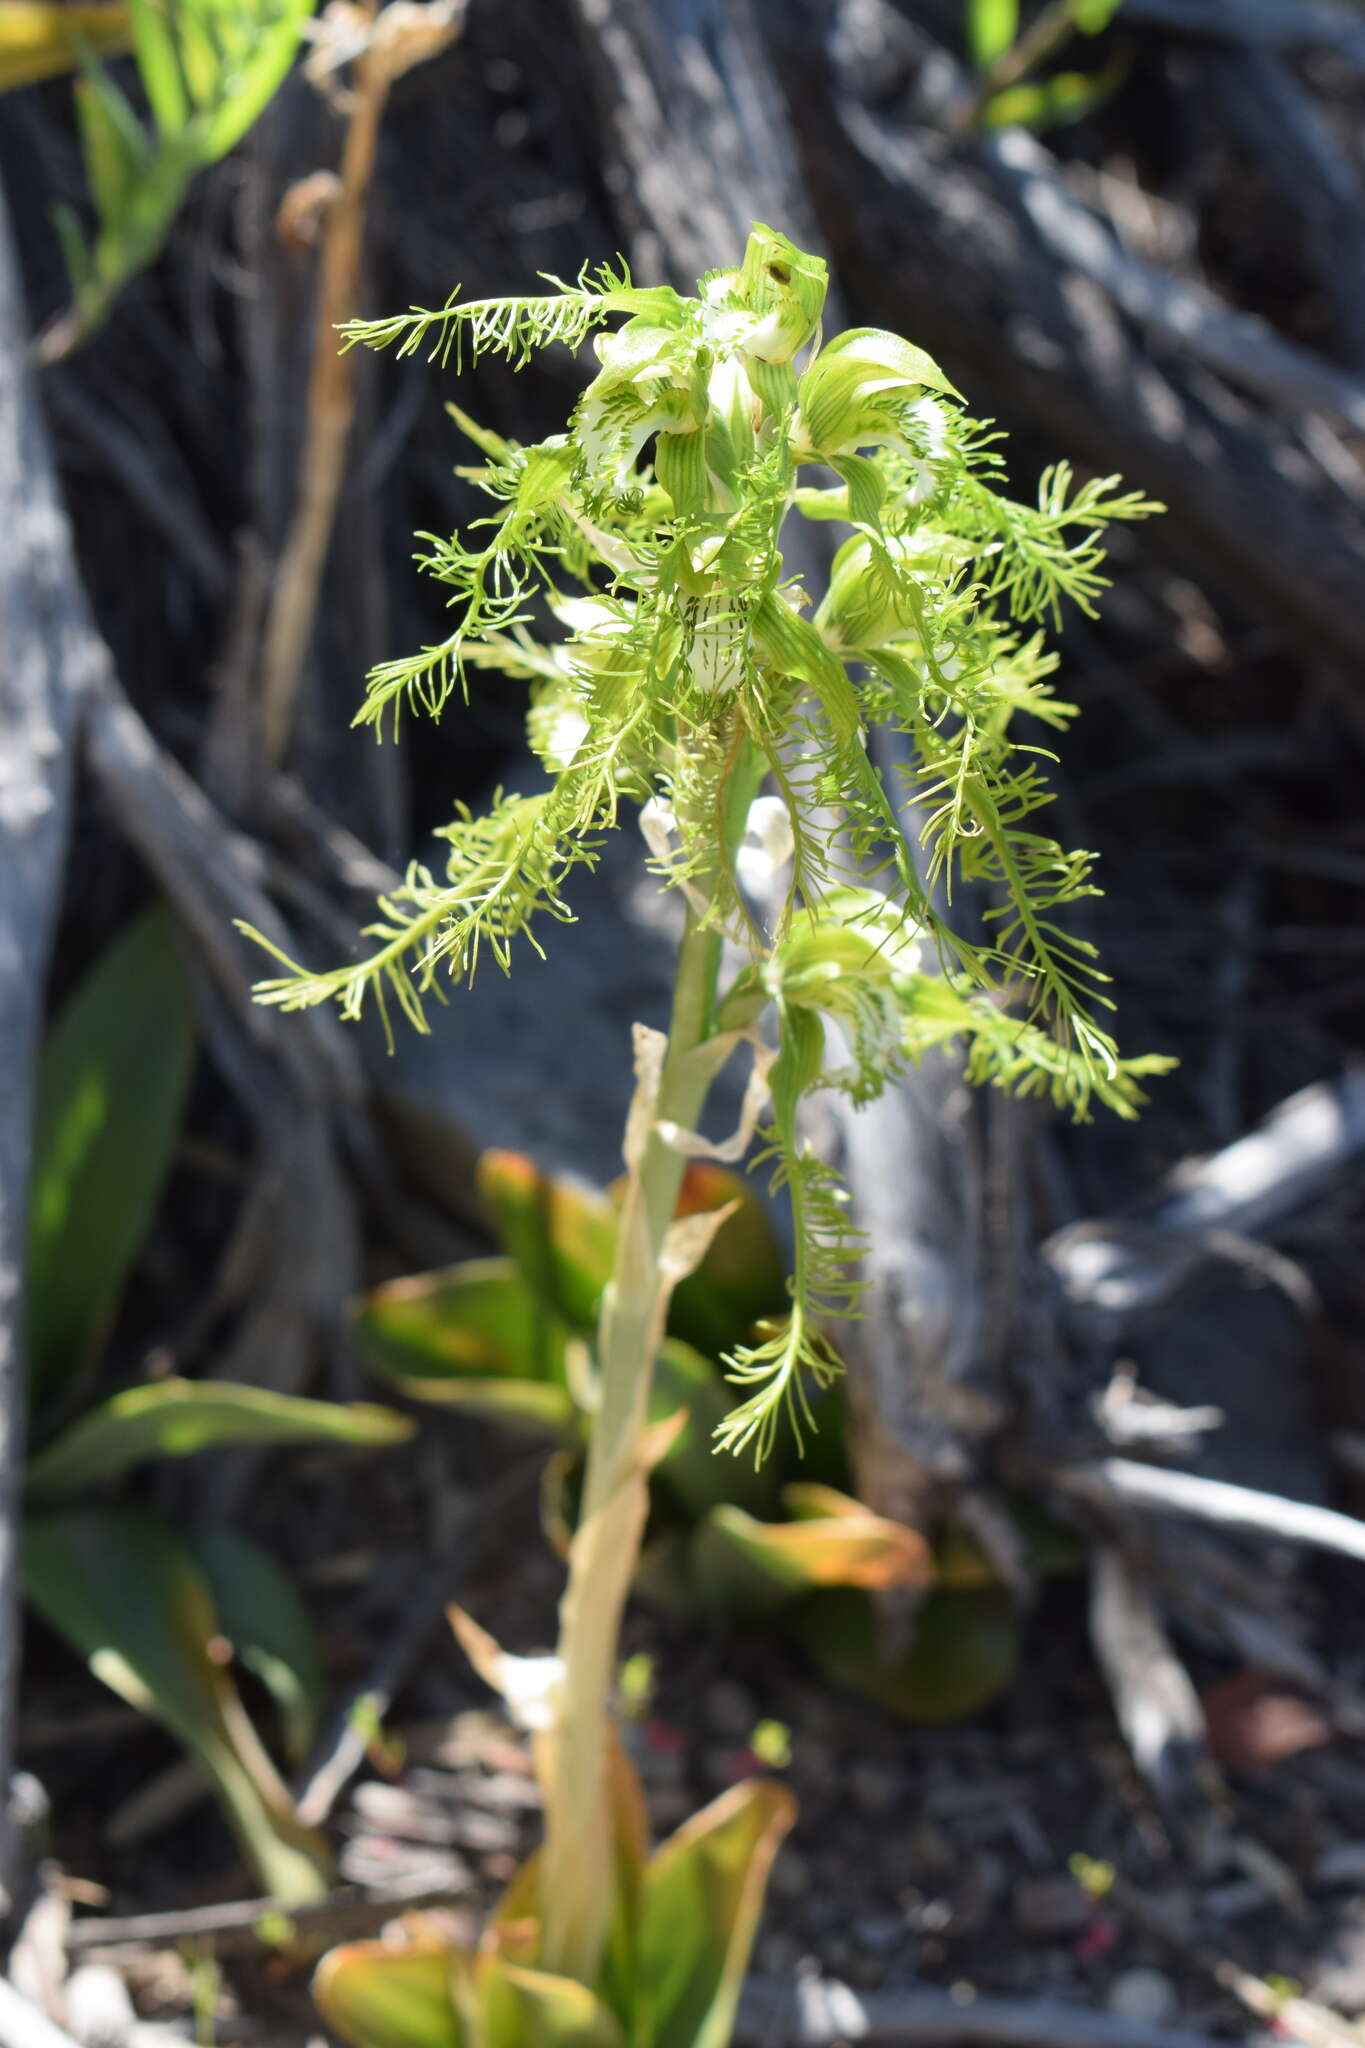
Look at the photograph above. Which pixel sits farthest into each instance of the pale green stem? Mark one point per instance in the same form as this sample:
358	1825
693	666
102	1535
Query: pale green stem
577	1861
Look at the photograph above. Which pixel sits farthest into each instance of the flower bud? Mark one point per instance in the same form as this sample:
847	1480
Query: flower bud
858	393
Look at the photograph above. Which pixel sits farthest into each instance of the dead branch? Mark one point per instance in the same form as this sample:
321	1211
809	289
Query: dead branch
47	655
1117	1480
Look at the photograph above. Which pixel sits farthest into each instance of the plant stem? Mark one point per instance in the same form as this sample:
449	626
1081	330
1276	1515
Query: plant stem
576	1882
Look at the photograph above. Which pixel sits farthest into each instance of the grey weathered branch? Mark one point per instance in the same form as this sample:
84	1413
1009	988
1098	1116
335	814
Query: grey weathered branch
46	661
1264	24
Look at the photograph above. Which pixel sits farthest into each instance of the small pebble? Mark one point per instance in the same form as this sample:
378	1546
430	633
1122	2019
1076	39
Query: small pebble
1143	1995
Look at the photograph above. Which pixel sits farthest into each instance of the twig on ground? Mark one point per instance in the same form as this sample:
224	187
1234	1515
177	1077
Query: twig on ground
1114	1480
241	1926
1155	1702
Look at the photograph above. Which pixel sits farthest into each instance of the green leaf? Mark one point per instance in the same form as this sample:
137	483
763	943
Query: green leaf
525	2008
471	1336
67	226
376	1994
113	143
158	64
477	1319
123	1590
269	1627
964	1654
703	1892
561	1235
272	38
744	1566
992	27
112	1084
177	1418
1092	17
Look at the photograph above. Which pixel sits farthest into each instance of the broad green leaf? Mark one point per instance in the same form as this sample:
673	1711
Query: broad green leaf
964	1654
525	2008
43	38
478	1320
742	1276
1092	17
157	63
379	1994
178	1418
112	1084
124	1591
703	1891
742	1565
561	1235
269	1628
992	27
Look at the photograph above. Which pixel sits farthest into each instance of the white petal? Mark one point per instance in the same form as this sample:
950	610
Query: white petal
767	842
530	1686
659	824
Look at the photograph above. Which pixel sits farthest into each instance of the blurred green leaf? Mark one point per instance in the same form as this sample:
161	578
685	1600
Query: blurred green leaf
124	1591
964	1654
741	1565
257	58
477	1320
1092	17
1047	103
992	26
742	1276
158	65
561	1235
209	69
525	2008
112	1082
269	1628
178	1418
113	141
703	1891
377	1994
